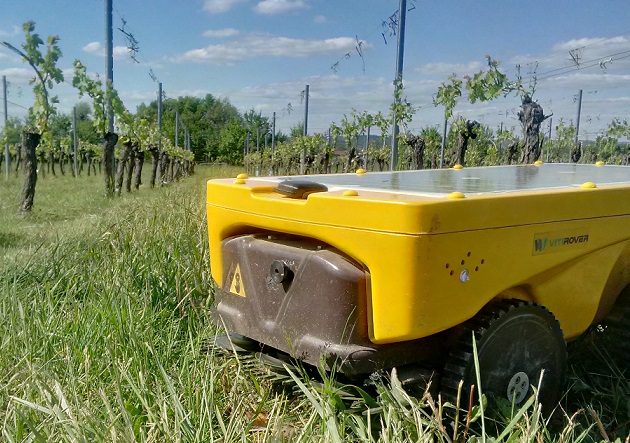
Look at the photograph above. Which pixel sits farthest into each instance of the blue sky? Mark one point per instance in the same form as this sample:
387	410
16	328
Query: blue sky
261	53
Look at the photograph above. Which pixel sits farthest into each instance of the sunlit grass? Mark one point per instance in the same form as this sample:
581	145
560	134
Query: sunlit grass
105	336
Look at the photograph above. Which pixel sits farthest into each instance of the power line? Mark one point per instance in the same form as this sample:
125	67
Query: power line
134	47
14	104
587	64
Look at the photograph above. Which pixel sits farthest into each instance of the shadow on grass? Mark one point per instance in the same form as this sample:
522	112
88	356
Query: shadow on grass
598	384
10	239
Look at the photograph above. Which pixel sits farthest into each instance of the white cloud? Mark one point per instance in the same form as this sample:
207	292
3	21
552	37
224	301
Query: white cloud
18	75
93	48
331	96
15	31
120	52
270	7
254	46
591	42
319	19
219	33
220	6
192	93
446	69
96	48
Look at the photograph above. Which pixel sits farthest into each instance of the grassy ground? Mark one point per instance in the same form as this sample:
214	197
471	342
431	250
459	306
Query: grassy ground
105	336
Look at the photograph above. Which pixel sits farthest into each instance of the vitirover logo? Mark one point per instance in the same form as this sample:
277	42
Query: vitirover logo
559	241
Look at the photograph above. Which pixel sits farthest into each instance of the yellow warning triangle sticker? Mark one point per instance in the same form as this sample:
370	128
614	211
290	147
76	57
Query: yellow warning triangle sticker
237	287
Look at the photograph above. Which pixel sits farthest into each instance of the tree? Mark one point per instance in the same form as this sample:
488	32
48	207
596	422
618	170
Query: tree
482	150
620	129
417	145
12	136
60	127
507	141
350	132
400	107
297	130
86	129
47	75
489	85
257	127
382	154
448	94
204	118
565	135
531	117
464	130
432	143
365	121
100	97
232	142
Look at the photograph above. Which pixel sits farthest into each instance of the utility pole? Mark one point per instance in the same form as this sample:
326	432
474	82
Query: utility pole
273	133
399	74
109	62
159	105
306	110
75	141
303	159
577	124
7	156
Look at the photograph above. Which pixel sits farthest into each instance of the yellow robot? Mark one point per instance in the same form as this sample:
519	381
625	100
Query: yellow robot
371	271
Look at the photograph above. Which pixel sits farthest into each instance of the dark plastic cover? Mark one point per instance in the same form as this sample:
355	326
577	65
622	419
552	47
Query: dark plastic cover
299	189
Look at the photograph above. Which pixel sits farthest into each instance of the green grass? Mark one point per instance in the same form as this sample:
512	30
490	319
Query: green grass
105	336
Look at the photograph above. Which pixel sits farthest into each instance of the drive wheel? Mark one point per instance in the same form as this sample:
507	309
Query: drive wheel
516	341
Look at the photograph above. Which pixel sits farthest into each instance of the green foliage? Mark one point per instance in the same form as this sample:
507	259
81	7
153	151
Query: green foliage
432	146
364	120
564	143
619	128
506	140
100	97
607	149
400	107
287	156
335	133
297	130
232	142
448	94
60	126
490	84
12	132
255	124
350	130
205	119
47	74
483	150
384	125
483	86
